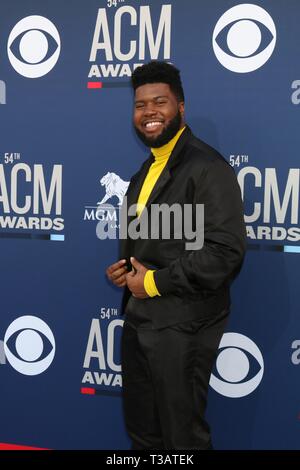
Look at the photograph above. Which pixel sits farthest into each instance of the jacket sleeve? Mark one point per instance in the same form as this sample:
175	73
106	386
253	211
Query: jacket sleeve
221	256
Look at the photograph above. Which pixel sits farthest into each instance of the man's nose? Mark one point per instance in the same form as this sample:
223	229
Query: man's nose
150	110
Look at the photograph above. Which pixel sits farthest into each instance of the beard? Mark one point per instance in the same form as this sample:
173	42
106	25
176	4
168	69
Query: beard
165	136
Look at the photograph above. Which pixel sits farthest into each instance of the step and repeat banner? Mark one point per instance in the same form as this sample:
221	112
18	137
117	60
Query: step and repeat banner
67	153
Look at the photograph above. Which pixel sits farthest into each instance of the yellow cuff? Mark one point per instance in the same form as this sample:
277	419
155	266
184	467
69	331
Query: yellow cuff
149	284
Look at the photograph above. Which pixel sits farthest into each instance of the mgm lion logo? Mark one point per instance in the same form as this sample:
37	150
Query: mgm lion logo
114	186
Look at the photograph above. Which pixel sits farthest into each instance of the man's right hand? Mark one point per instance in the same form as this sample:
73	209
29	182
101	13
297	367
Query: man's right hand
116	273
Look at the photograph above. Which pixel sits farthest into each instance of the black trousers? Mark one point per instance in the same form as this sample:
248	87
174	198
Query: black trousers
165	382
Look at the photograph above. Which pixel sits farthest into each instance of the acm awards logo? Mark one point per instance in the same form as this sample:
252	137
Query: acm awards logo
102	359
112	55
244	38
271	202
28	345
30	195
106	212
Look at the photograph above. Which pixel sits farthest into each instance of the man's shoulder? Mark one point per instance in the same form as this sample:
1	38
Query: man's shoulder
202	153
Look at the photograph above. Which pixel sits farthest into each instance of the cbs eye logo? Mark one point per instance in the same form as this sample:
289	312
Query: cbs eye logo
26	341
36	42
247	35
233	366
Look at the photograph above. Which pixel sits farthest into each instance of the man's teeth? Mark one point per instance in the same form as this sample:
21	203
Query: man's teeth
153	124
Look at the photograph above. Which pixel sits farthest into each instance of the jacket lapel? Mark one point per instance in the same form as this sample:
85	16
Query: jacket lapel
137	181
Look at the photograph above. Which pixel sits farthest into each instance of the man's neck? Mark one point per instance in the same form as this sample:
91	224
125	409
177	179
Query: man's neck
165	150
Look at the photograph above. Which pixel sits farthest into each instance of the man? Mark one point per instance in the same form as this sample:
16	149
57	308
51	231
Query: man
176	299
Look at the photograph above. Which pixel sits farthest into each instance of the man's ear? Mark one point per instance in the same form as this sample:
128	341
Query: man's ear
181	108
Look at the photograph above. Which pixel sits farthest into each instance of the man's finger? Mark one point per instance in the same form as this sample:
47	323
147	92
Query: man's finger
121	281
119	272
136	265
116	274
113	267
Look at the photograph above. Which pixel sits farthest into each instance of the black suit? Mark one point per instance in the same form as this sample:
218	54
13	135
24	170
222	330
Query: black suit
179	331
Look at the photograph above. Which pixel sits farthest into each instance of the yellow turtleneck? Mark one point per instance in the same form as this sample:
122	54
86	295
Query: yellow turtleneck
161	156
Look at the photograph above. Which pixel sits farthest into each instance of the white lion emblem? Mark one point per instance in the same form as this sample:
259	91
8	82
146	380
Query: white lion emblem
114	186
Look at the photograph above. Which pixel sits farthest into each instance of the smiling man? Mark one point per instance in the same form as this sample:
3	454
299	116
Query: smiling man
176	300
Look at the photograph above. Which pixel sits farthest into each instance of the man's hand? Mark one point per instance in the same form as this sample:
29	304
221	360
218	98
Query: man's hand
135	279
116	273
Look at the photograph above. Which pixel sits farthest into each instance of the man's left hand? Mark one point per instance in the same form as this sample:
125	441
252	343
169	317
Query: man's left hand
135	279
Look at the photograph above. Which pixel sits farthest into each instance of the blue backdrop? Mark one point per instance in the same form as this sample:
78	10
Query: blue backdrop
67	143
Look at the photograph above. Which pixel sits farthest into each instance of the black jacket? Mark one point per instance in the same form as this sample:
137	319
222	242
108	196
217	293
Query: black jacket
193	284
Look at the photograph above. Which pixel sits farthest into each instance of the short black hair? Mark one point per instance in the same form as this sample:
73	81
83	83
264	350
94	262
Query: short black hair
158	72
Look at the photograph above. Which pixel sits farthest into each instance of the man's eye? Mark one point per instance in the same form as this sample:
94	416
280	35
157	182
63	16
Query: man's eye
160	102
139	105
